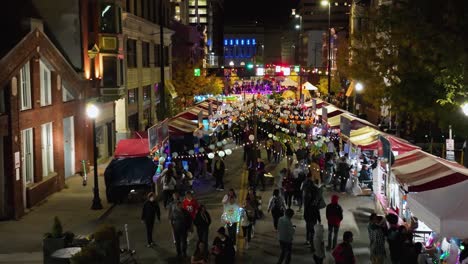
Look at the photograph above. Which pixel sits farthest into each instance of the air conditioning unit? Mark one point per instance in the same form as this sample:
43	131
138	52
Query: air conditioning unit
108	43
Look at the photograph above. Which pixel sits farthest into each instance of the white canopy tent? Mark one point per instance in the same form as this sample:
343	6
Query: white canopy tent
308	86
444	210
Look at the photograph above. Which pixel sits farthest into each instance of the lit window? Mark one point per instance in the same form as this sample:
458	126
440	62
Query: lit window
46	83
47	149
27	155
25	85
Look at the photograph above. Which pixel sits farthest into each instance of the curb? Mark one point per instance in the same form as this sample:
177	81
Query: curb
106	212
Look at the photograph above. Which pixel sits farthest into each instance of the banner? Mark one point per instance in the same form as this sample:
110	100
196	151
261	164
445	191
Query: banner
324	115
314	104
345	126
385	150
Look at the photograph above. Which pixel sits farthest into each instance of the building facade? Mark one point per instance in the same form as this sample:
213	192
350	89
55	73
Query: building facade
142	46
44	131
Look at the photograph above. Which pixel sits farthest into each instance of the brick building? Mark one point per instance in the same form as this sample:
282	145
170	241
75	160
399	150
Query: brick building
42	121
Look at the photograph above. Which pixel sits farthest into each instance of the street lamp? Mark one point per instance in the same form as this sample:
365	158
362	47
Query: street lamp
93	111
299	27
358	87
327	3
464	108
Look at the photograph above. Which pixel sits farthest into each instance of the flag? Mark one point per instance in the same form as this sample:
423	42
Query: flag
385	150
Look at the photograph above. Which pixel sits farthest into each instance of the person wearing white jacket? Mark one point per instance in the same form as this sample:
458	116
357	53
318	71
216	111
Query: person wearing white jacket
319	244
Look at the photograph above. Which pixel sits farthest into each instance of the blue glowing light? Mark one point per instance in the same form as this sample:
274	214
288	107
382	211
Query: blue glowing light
225	42
248	41
242	41
231	42
237	41
254	42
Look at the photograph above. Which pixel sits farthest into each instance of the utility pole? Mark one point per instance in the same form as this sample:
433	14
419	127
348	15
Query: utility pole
161	88
329	53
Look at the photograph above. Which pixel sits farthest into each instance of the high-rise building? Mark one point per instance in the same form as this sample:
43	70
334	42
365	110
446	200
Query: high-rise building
207	16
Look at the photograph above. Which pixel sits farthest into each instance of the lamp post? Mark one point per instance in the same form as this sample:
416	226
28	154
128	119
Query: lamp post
358	88
299	54
93	111
327	3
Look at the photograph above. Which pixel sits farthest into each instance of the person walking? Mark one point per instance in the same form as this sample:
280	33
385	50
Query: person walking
343	253
231	194
288	188
289	153
260	174
231	217
202	222
254	212
190	205
377	240
334	214
286	232
311	211
276	206
169	185
181	222
218	172
149	214
343	173
223	249
319	245
247	223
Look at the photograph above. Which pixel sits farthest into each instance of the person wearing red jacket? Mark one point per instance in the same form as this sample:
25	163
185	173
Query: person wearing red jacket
343	253
288	188
190	205
334	214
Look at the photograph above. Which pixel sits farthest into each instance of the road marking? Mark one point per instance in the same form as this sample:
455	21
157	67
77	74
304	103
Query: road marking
242	194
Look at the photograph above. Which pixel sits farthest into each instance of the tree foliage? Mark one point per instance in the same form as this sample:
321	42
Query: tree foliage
187	85
414	56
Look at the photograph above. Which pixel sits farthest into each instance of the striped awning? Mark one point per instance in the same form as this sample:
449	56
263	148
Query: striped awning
182	125
420	171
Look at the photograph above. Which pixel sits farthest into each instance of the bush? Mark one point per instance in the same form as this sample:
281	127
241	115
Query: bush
105	248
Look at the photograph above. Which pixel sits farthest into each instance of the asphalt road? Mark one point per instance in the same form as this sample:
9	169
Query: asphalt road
264	247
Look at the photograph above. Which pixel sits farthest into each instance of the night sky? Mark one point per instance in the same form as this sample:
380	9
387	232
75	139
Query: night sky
270	12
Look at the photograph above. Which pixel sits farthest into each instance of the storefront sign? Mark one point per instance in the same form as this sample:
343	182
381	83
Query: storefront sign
450	143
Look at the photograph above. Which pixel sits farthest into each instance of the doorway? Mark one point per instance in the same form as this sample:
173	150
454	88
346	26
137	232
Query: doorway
69	146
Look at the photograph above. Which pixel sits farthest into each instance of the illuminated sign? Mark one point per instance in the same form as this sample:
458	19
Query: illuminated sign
286	71
260	71
277	68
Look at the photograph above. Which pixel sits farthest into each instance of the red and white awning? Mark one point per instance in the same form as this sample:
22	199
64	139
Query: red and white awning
180	126
419	171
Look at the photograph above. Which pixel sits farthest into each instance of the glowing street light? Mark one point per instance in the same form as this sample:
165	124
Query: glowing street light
92	111
359	87
464	108
324	3
231	63
298	26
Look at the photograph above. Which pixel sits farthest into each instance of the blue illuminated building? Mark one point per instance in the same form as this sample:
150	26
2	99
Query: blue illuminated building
240	50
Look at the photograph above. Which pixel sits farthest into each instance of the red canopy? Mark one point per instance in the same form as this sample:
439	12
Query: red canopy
132	148
420	171
399	145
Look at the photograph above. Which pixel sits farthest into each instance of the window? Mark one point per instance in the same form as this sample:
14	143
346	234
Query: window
157	51
135	8
2	102
131	53
66	95
25	86
47	149
145	54
133	96
109	65
46	83
145	10
201	11
147	93
27	155
194	20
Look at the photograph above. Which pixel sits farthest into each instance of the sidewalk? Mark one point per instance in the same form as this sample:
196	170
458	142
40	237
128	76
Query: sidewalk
22	240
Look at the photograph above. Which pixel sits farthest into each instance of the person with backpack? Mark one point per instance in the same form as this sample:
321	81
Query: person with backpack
276	206
343	253
334	214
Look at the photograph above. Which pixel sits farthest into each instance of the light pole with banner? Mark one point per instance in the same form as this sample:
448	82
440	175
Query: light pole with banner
327	3
93	111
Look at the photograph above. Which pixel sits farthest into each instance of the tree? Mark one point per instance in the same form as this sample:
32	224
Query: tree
188	85
323	85
414	56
